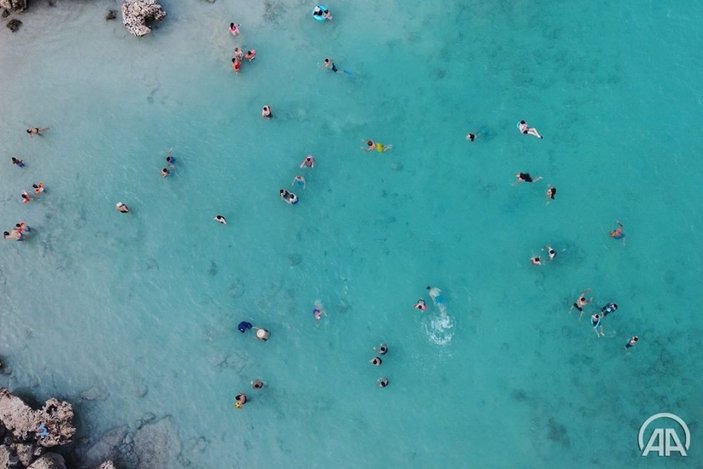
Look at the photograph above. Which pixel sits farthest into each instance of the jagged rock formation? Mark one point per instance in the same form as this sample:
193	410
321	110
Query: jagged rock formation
49	461
137	15
27	433
13	5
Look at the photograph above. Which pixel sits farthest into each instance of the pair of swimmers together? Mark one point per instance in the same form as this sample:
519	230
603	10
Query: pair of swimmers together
551	253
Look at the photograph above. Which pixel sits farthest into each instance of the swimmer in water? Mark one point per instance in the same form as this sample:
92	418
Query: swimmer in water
527	130
164	172
170	160
631	343
379	147
38	188
421	305
298	180
470	137
436	294
236	65
535	260
525	177
318	311
257	383
308	162
220	219
234	29
262	334
266	112
122	208
329	64
618	232
595	322
608	309
238	54
250	55
26	197
288	196
382	382
239	400
551	193
381	349
550	252
13	235
17	162
36	131
376	361
581	302
21	227
320	13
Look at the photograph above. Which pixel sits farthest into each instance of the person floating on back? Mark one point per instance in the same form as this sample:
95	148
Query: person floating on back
527	130
32	131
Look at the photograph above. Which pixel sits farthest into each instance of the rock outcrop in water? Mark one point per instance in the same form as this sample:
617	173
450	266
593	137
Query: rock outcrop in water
27	425
13	5
137	15
25	433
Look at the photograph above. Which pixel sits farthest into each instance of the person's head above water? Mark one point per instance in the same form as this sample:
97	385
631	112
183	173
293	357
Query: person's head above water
244	326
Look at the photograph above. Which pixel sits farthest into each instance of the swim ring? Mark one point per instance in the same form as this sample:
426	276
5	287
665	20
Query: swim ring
321	18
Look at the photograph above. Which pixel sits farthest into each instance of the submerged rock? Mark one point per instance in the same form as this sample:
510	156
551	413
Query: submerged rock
14	25
49	461
137	15
157	444
111	15
107	448
5	13
106	465
27	453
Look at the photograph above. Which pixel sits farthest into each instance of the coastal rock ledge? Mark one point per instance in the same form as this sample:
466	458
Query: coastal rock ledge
13	5
138	15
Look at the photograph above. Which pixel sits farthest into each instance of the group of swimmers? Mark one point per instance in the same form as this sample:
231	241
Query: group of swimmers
382	349
17	233
238	56
263	335
39	187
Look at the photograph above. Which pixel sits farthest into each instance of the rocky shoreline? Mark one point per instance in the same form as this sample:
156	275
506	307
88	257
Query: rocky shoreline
137	15
29	437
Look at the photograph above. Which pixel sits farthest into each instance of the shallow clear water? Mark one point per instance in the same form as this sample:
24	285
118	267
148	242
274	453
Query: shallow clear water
143	307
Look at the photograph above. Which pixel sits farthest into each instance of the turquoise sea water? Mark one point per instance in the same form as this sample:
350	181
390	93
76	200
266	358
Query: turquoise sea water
141	310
